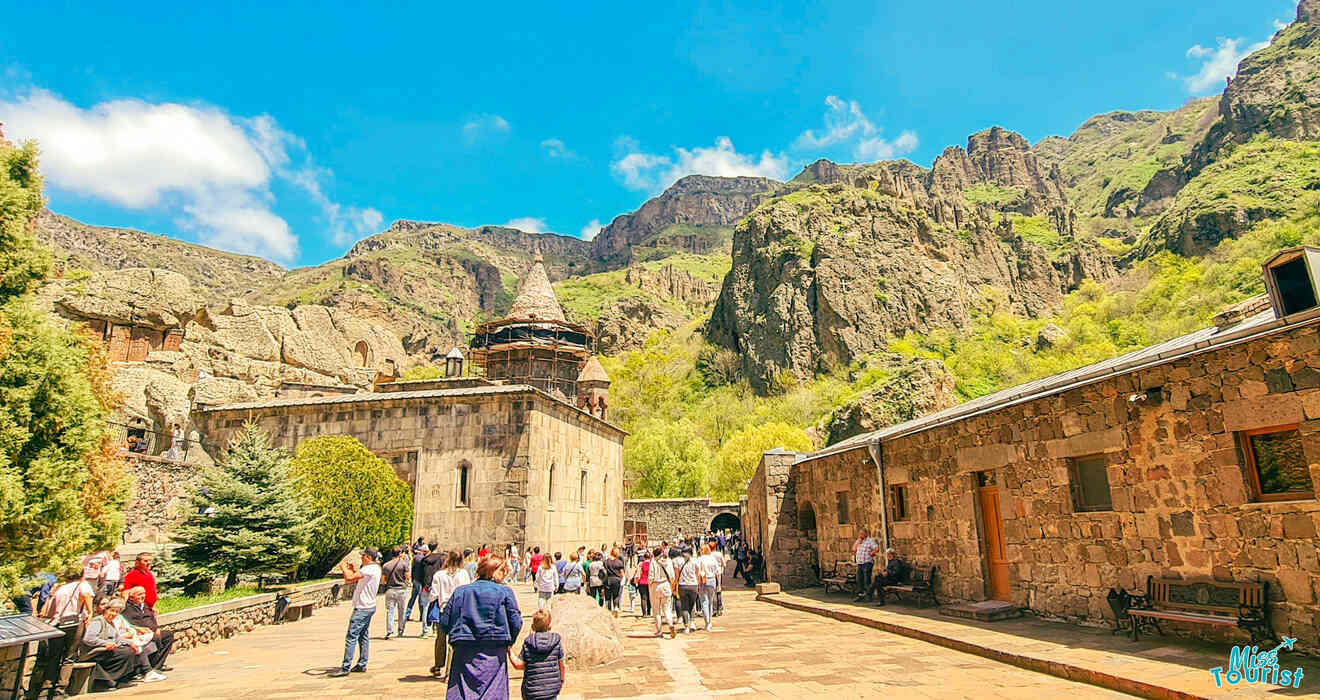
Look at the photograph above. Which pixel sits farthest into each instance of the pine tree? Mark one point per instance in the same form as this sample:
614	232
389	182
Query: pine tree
246	517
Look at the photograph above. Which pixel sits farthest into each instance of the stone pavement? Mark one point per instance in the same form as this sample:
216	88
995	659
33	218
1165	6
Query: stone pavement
758	650
1168	667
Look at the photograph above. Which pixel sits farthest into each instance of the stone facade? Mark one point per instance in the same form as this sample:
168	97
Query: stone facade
1169	440
539	471
666	517
159	500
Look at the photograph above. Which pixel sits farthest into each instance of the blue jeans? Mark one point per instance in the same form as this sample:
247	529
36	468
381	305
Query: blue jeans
864	578
416	591
359	627
707	594
395	617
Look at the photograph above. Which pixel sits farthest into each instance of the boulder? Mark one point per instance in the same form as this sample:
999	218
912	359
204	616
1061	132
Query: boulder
140	296
591	636
218	391
1049	336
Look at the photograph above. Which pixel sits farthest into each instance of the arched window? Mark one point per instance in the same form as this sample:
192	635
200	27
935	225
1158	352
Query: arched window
605	494
464	482
360	354
582	489
550	488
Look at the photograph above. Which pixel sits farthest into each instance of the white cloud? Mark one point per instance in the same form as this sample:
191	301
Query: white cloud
589	231
484	126
846	123
210	170
555	148
653	173
877	148
529	224
1219	62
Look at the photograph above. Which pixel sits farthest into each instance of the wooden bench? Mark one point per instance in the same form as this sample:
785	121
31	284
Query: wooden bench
920	584
297	605
842	577
1214	603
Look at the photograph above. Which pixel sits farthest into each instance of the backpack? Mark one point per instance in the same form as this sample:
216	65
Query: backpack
572	577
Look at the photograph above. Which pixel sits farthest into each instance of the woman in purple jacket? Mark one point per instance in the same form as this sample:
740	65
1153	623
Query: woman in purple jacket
481	622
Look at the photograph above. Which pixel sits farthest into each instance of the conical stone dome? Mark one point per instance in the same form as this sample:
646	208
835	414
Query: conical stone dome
536	298
592	371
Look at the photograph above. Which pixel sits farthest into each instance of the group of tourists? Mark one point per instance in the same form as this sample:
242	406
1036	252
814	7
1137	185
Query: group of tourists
107	617
472	612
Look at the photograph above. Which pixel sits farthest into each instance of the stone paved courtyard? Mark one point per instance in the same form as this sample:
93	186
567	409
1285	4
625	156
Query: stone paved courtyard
757	651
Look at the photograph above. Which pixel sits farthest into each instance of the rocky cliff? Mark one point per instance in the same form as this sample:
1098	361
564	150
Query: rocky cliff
692	216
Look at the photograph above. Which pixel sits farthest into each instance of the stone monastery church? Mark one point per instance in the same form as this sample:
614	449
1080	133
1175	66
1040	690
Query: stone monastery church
517	452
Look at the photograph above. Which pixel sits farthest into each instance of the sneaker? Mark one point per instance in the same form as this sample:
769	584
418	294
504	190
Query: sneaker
359	669
388	637
338	673
153	677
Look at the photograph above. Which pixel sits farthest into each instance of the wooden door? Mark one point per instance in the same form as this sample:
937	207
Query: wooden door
992	534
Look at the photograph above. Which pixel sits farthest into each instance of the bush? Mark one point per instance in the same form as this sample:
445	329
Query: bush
356	496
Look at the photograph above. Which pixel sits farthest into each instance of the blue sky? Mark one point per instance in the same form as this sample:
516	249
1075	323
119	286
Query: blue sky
292	130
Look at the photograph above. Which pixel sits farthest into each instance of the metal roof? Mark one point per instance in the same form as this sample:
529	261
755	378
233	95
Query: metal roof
21	629
1261	324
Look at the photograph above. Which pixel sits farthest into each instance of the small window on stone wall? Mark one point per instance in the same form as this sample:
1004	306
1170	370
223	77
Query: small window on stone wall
605	494
898	498
1276	466
464	474
1089	478
582	490
841	503
550	487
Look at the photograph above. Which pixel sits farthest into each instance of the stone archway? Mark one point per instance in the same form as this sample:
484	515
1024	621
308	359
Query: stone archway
806	521
725	521
361	354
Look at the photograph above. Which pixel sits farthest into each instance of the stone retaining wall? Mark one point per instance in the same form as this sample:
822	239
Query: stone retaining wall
665	517
193	627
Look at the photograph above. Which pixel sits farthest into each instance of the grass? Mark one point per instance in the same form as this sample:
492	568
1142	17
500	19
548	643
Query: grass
993	195
172	603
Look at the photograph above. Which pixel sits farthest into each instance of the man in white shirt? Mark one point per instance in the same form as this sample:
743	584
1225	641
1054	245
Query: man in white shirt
364	606
864	549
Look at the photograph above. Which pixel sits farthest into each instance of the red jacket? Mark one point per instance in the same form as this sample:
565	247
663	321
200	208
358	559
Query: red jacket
137	577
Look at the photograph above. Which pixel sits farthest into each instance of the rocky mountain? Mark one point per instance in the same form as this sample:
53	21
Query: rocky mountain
694	215
216	272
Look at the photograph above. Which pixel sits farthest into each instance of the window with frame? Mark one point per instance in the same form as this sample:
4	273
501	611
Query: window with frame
1275	463
1089	480
841	505
582	490
464	474
898	497
550	487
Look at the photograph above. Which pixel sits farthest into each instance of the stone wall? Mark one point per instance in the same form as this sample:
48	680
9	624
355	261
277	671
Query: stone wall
159	500
194	627
773	524
1182	505
666	517
507	438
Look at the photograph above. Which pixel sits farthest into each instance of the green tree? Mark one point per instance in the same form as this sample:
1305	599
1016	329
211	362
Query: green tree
355	495
737	459
246	517
62	484
667	460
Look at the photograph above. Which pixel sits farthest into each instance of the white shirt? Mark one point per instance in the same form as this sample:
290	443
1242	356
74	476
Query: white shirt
364	596
114	570
444	583
687	571
710	569
547	579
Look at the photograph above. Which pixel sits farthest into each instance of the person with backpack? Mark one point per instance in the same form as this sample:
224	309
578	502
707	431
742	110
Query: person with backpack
573	576
596	577
688	589
662	591
547	582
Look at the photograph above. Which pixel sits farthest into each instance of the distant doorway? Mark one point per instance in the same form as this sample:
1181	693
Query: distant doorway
725	521
992	537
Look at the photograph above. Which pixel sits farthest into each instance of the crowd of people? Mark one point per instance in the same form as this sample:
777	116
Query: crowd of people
465	598
107	617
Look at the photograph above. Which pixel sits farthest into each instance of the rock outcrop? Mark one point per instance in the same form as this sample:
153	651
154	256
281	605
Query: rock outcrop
910	389
590	635
827	275
692	206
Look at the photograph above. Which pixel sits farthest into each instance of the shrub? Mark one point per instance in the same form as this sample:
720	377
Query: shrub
355	495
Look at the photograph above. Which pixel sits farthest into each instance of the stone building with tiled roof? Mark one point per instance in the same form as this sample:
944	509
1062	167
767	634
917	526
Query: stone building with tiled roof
517	456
